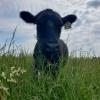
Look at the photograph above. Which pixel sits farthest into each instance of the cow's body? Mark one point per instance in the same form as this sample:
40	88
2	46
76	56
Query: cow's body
52	56
48	61
49	46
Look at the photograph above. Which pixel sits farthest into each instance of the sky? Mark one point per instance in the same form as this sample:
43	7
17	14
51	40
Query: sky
85	32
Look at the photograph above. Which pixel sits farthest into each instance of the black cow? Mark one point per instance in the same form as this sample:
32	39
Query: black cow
49	46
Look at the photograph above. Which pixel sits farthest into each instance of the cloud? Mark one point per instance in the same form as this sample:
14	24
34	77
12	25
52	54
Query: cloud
93	3
8	8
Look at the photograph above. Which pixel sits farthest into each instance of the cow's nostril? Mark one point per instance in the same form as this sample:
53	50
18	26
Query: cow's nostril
52	47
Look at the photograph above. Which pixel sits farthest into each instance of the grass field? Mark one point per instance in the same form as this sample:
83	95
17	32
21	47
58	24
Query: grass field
79	79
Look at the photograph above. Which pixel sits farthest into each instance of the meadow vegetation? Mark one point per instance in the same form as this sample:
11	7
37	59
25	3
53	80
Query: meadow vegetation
78	79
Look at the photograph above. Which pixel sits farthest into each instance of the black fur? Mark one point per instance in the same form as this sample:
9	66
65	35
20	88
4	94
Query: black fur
48	47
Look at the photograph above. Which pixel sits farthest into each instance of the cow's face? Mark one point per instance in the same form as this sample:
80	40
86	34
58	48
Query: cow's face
49	24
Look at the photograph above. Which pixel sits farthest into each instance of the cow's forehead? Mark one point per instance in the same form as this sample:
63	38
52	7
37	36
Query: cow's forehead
49	14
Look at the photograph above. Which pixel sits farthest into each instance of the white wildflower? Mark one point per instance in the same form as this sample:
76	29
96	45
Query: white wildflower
11	75
19	69
39	74
4	89
12	80
14	72
18	74
12	68
3	75
23	71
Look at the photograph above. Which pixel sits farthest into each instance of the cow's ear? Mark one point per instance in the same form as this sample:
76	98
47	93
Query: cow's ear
27	17
68	20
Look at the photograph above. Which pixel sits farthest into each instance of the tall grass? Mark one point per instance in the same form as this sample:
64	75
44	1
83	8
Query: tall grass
78	79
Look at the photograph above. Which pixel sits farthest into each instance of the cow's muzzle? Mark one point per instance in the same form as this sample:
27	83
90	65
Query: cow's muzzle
52	47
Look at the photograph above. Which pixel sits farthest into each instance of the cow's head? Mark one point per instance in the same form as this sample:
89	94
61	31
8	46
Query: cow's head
49	24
